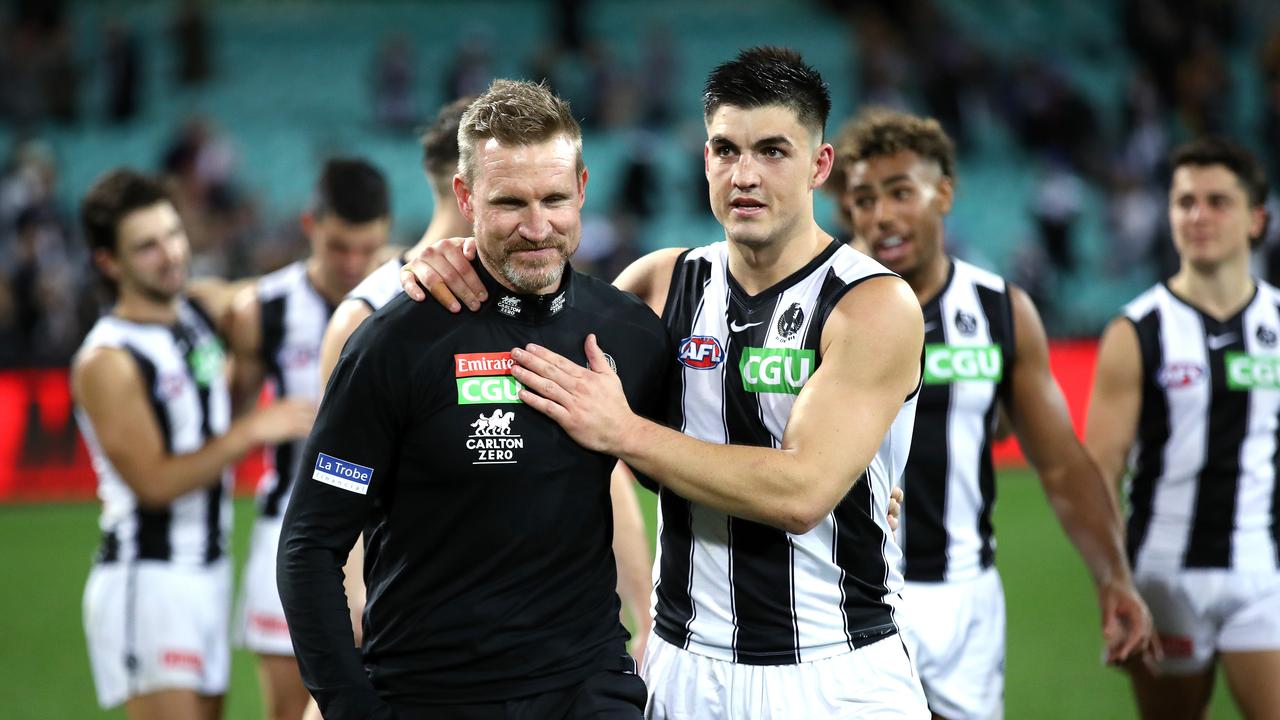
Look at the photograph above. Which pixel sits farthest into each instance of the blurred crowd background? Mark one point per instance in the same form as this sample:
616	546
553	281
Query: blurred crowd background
1063	112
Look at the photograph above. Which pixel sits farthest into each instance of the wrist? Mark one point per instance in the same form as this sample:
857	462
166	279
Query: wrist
629	438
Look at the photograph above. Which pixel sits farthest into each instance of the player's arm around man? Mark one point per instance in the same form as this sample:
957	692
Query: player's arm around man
870	353
1076	490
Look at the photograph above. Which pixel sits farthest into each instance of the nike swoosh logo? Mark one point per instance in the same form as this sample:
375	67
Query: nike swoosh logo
734	327
1217	342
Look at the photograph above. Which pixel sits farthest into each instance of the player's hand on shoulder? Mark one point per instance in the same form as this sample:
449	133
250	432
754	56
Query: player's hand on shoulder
282	420
444	269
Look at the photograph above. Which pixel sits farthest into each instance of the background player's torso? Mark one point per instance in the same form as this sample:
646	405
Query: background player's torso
740	590
182	368
1203	491
946	532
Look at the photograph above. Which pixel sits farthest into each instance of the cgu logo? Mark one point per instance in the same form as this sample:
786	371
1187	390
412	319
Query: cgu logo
945	364
776	370
1179	375
700	352
496	389
1252	372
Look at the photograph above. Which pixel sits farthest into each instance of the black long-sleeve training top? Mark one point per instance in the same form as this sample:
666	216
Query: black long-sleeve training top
488	531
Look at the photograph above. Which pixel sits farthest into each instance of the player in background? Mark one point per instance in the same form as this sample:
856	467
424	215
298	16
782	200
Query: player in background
154	407
795	386
1186	403
984	347
274	333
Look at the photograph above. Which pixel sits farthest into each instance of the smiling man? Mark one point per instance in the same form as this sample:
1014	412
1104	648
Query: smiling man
491	580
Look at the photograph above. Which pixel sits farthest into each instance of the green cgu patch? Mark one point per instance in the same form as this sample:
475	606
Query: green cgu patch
945	364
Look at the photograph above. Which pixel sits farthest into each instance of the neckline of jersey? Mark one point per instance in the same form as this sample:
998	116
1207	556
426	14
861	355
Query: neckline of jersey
1205	316
741	296
526	308
937	297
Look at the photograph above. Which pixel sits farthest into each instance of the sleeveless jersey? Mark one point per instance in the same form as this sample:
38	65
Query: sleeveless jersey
1203	493
182	368
739	590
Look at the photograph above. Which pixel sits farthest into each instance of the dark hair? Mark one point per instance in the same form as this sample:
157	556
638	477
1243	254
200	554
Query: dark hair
353	190
440	142
762	76
877	132
1218	151
110	199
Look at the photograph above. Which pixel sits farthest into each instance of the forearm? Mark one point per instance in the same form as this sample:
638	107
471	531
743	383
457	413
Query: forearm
162	481
769	485
1089	514
310	579
631	549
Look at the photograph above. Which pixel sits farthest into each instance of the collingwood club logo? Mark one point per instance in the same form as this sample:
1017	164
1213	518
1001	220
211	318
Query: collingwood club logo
790	322
493	440
966	323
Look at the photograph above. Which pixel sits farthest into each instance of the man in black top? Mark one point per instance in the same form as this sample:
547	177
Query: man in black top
491	582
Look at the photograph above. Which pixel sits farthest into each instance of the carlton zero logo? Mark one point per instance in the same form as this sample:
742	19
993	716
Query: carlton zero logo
1252	372
342	474
700	352
945	364
485	378
776	370
493	440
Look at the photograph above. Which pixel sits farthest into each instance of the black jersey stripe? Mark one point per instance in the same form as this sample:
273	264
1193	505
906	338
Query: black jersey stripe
674	610
1153	434
998	308
273	329
1217	485
153	523
869	617
924	479
186	340
759	555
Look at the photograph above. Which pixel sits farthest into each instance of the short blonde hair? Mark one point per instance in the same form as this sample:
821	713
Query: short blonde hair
515	112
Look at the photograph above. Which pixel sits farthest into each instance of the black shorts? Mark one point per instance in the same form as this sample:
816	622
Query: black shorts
616	693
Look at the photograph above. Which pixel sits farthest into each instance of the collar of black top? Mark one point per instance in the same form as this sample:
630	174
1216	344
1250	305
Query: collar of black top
529	308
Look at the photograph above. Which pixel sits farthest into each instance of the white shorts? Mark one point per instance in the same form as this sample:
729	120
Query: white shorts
1200	613
151	626
260	623
874	681
955	631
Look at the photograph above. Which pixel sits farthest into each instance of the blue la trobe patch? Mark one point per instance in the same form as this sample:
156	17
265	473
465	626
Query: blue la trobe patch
342	474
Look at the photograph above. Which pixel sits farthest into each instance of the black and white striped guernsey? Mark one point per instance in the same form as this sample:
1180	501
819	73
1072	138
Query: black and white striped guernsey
381	286
739	590
1202	489
183	371
294	318
946	531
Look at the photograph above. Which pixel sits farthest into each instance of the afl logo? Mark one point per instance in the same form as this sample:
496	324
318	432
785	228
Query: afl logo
700	352
1179	375
790	322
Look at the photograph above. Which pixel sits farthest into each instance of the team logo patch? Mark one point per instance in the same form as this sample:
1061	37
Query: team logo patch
493	440
293	357
700	352
966	323
790	322
509	305
206	360
1252	372
470	364
342	474
776	370
170	385
1266	336
945	364
182	659
1179	375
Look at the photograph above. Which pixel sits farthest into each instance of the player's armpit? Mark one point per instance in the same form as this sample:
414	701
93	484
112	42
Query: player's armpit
346	318
1116	401
649	277
243	331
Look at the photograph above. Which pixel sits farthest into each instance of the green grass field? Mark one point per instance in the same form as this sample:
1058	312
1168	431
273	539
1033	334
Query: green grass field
1053	668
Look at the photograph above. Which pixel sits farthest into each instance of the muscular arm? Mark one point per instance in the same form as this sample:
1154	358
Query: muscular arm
1075	488
870	362
243	330
108	385
1116	402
